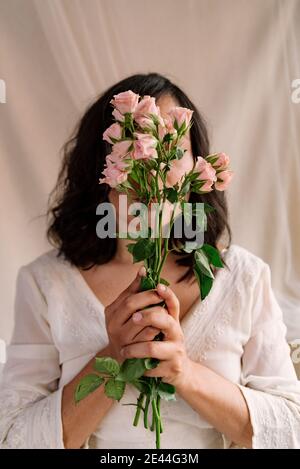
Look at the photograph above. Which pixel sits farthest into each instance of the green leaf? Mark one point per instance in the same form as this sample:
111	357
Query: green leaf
212	158
190	246
107	365
172	195
143	249
131	369
213	255
168	138
147	283
141	386
151	363
179	153
185	188
130	247
203	263
164	281
87	385
134	175
166	391
114	389
205	283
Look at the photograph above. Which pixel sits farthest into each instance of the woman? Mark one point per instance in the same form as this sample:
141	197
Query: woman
227	355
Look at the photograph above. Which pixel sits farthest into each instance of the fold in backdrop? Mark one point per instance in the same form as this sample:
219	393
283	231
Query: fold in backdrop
238	60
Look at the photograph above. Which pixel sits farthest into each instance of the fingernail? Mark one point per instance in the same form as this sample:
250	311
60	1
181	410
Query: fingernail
122	352
161	287
142	271
136	317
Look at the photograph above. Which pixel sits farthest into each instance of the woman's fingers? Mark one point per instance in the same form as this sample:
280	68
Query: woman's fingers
133	303
133	287
171	300
118	317
163	369
155	349
159	318
134	332
145	335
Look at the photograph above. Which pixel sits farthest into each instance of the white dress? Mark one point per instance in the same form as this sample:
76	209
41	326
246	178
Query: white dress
237	331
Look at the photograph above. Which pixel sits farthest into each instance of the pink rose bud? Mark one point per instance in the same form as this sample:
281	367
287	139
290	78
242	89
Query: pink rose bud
112	132
206	173
118	162
143	111
224	178
170	126
113	175
118	116
144	147
125	102
205	169
222	161
181	115
121	149
207	187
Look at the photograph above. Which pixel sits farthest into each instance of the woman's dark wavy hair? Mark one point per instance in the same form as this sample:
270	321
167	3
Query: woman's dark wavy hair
73	201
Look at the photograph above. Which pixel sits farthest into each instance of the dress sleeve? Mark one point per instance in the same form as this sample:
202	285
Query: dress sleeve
269	382
30	401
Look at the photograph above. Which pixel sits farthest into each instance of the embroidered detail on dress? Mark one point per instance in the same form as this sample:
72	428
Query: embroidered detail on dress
74	328
13	418
210	341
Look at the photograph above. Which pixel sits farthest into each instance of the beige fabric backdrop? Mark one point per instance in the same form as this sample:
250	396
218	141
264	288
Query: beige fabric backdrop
235	58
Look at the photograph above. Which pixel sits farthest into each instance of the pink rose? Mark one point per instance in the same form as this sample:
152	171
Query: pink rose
125	101
113	175
205	169
118	116
206	173
118	162
166	127
162	129
144	147
181	115
116	171
121	149
112	132
143	111
219	160
224	178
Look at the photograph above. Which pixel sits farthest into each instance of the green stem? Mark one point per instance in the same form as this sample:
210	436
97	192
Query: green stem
166	250
146	411
158	410
153	422
157	423
140	402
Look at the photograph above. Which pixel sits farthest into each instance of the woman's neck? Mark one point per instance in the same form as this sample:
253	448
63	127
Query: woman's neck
122	255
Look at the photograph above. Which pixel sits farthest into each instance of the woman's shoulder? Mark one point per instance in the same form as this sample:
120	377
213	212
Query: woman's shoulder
49	260
244	263
46	270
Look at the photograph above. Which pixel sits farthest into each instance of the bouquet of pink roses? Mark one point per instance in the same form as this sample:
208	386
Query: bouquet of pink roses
144	145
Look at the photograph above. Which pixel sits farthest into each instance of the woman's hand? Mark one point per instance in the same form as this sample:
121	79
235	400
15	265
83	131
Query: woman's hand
175	364
121	328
